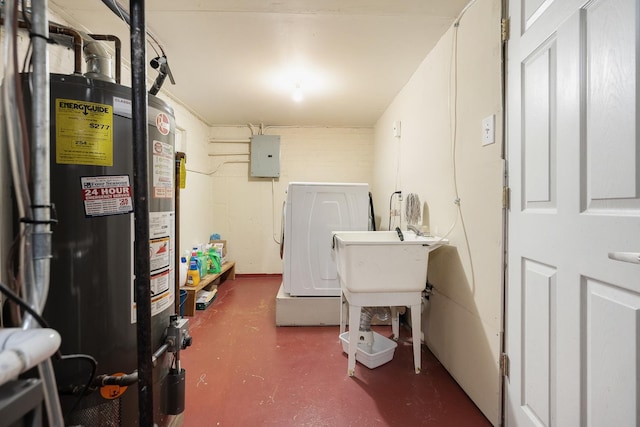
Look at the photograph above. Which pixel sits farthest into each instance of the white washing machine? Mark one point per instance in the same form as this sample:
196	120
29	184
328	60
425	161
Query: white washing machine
312	211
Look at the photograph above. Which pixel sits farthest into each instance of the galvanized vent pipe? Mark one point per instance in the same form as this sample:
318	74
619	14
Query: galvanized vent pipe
41	201
97	59
118	48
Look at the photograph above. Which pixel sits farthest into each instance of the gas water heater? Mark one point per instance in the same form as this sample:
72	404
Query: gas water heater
91	297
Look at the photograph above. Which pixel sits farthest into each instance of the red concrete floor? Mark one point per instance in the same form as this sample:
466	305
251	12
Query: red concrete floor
242	370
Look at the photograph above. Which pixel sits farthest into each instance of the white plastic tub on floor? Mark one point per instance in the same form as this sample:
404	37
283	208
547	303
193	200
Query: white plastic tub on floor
378	354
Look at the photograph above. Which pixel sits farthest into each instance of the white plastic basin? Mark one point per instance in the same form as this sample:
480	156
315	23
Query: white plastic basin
377	261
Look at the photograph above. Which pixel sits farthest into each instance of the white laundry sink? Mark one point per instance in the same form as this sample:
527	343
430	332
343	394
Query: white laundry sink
378	261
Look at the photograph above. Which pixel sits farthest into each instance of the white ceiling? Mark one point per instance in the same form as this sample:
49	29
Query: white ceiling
238	61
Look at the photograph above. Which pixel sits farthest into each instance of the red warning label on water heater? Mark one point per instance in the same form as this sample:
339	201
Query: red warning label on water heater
162	123
106	195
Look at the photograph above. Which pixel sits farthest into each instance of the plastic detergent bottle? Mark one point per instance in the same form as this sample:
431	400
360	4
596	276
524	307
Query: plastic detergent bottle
215	261
183	271
194	255
193	275
203	263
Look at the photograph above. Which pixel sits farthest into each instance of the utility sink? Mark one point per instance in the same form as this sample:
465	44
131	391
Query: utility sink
378	268
378	261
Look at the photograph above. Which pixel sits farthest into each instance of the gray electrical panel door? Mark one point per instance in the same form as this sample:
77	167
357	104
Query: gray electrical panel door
265	156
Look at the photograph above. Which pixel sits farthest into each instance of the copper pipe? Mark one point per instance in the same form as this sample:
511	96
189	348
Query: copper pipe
118	46
66	31
77	43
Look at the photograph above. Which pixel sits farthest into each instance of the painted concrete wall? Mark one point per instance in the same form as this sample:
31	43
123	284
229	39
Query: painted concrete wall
462	319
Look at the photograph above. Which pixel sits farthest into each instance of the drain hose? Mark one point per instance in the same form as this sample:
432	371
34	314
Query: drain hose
367	314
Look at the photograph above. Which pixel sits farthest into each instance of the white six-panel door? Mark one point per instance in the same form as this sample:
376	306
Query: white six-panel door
573	313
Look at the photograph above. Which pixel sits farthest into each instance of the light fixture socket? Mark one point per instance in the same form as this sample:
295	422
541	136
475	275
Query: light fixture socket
297	95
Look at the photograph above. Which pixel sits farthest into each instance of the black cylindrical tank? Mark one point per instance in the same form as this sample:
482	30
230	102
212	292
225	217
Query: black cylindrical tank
91	298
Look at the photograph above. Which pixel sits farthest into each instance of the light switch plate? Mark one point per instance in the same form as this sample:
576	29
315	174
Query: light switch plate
488	130
397	128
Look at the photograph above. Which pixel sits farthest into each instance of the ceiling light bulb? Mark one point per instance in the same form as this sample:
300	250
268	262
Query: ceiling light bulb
297	94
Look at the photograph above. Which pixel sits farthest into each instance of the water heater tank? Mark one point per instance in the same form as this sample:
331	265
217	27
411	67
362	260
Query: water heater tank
91	298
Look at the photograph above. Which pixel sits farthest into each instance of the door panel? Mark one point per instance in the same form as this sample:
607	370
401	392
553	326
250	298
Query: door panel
538	303
611	326
573	314
539	77
611	141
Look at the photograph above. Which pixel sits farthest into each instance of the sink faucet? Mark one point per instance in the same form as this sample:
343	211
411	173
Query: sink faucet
414	229
400	235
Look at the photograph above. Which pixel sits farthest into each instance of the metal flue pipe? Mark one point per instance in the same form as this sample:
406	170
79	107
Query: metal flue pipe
141	212
118	48
40	172
41	200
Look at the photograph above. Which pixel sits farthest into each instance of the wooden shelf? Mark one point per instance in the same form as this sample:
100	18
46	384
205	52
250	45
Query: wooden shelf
227	271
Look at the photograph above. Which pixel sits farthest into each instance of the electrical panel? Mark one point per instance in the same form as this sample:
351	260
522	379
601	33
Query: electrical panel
265	156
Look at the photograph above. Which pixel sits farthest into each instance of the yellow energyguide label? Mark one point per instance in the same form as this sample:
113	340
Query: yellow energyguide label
84	133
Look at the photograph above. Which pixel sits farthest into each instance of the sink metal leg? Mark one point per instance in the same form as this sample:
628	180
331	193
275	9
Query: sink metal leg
415	332
354	335
395	323
343	313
